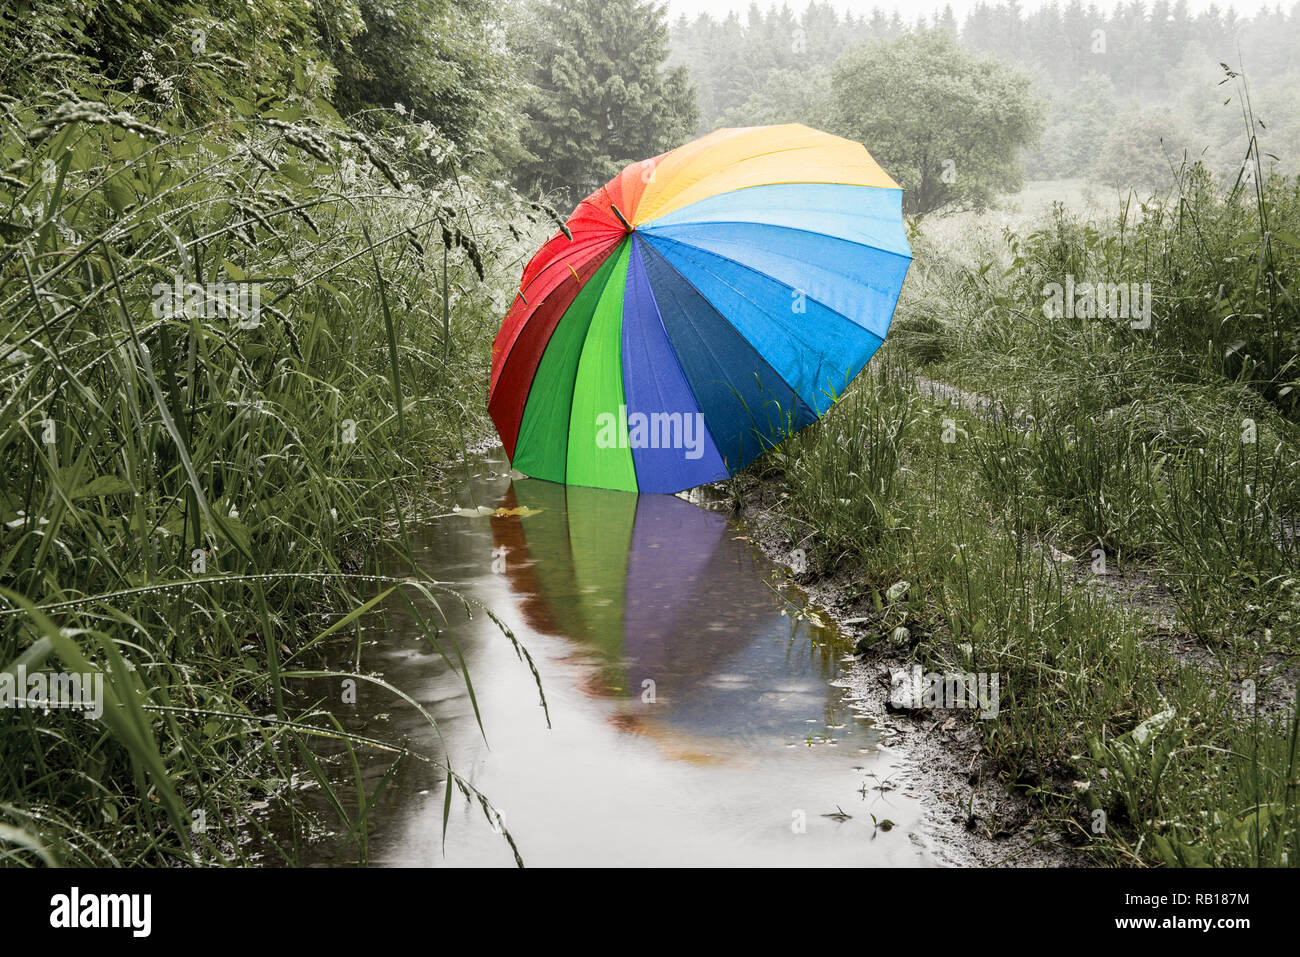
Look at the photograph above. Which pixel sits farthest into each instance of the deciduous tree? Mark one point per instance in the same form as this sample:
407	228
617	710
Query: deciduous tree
948	125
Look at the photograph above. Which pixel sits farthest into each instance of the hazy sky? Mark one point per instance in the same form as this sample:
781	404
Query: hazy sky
911	9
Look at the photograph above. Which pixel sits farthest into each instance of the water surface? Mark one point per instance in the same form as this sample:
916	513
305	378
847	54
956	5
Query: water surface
693	719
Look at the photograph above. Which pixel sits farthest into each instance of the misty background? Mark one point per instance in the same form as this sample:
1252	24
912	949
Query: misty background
1125	93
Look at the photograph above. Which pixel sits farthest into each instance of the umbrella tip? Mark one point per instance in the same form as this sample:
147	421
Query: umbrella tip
621	218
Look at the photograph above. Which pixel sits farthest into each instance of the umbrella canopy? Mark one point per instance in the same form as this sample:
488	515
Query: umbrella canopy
698	308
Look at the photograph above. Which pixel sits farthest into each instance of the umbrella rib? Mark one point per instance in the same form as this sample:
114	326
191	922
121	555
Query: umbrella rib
718	362
758	272
621	218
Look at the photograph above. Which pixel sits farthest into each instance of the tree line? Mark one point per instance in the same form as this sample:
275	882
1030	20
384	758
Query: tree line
552	97
1127	93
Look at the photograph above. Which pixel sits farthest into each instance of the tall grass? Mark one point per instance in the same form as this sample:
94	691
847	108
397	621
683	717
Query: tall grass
182	493
1170	449
1136	755
847	476
1173	444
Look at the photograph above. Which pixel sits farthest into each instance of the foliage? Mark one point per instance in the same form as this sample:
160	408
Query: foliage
1090	62
787	96
1105	518
602	96
202	59
948	126
733	60
441	62
1139	149
186	490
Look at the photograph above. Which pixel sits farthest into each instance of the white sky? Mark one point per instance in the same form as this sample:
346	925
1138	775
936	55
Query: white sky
911	9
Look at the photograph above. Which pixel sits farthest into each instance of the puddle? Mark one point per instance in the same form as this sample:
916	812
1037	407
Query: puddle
693	717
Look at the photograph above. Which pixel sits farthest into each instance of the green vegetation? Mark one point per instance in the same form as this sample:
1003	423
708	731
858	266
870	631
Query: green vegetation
185	487
252	258
601	96
1104	450
948	126
444	64
1131	89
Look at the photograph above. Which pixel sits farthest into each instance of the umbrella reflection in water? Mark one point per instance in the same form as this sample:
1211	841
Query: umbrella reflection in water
667	596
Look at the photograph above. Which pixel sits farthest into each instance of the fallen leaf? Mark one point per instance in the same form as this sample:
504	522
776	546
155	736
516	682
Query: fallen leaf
523	511
472	512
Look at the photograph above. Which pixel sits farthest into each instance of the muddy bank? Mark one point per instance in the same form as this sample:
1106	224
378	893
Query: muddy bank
974	819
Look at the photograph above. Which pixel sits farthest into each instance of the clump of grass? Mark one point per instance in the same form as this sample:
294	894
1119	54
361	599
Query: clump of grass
1175	443
845	476
181	487
1138	756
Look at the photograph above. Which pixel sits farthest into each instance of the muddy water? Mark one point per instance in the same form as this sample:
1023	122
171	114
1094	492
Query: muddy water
693	716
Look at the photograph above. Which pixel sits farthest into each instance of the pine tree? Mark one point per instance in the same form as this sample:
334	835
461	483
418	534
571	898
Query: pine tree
603	96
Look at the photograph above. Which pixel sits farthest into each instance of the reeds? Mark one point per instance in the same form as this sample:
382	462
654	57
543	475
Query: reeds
185	487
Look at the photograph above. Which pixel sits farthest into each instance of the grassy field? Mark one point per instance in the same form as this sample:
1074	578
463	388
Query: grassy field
1022	471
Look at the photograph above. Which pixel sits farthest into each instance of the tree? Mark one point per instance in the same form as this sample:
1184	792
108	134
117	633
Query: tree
1143	149
602	95
947	125
444	62
787	96
1079	122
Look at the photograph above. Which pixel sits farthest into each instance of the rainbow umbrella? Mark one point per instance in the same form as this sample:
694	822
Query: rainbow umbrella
698	308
